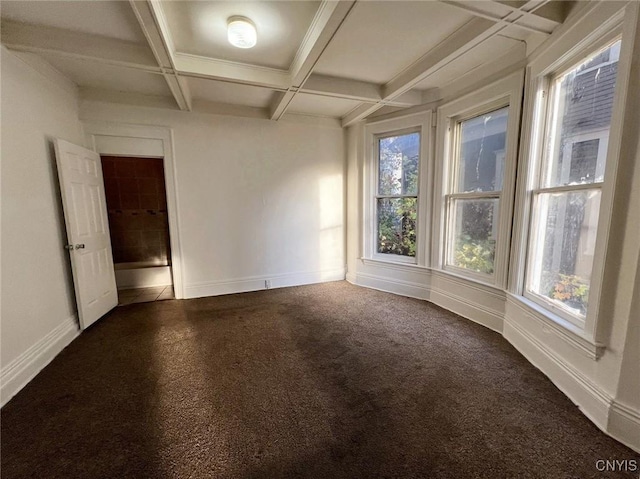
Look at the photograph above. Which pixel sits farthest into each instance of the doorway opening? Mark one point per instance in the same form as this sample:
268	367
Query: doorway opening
139	228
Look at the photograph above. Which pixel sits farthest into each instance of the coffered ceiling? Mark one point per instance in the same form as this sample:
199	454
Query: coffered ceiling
342	59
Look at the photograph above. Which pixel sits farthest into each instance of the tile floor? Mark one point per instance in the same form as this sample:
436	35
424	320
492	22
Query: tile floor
144	295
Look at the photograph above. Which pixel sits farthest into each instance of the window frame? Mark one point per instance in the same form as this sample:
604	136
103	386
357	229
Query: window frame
506	92
601	25
547	111
374	131
377	196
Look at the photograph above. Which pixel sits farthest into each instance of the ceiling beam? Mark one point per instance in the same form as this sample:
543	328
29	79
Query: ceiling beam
355	90
78	45
503	13
153	23
216	69
108	51
325	24
455	45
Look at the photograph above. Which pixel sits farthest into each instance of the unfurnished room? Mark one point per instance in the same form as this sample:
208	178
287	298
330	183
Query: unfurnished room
320	239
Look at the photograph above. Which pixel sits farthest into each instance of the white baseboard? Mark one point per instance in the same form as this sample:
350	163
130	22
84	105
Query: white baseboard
470	310
592	401
614	419
15	375
391	285
624	425
256	283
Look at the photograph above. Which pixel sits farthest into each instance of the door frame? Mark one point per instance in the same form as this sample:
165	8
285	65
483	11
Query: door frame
121	139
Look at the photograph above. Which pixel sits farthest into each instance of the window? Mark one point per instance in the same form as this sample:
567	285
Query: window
396	225
477	150
474	202
566	196
397	194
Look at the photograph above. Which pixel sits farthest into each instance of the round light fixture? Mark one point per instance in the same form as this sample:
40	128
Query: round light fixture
241	32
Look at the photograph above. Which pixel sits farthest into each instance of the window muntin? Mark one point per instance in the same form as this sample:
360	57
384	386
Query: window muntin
397	194
473	205
566	202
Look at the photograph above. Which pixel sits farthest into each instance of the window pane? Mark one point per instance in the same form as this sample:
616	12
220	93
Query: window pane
474	224
582	101
564	248
398	167
397	226
482	150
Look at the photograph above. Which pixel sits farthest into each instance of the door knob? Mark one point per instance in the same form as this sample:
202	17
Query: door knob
80	246
69	247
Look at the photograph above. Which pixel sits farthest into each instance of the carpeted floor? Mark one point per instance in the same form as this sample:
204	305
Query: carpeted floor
325	381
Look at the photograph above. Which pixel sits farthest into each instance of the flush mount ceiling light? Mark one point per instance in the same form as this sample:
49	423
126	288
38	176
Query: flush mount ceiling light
241	32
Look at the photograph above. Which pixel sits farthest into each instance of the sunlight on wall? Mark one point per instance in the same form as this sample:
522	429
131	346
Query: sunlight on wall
331	216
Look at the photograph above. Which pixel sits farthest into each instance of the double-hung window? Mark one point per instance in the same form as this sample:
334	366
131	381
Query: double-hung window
398	161
474	202
477	149
396	225
568	187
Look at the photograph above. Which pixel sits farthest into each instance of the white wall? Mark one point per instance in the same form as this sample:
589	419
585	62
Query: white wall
257	200
38	310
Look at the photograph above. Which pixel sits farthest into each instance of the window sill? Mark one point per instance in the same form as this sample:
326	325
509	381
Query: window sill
388	263
565	330
479	278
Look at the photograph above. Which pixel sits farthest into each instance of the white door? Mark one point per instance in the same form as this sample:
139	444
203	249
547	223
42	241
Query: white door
85	213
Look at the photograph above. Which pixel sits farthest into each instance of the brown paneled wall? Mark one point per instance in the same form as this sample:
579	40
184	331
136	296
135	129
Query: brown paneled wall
137	209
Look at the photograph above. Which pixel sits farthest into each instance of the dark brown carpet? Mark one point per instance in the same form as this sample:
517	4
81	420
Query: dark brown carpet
323	381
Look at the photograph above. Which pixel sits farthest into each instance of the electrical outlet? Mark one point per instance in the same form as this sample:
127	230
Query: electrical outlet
267	283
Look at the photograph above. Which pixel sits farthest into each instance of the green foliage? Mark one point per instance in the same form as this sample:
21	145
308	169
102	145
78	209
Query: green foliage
572	290
476	255
397	226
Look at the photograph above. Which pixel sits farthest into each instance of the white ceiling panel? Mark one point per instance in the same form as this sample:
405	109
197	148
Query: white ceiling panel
487	51
108	77
232	93
114	19
200	28
380	39
318	105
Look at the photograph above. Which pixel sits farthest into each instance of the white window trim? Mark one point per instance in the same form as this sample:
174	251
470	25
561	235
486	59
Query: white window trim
503	93
417	122
598	25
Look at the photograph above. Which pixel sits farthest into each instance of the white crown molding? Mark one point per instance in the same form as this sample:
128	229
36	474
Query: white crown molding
43	69
72	44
